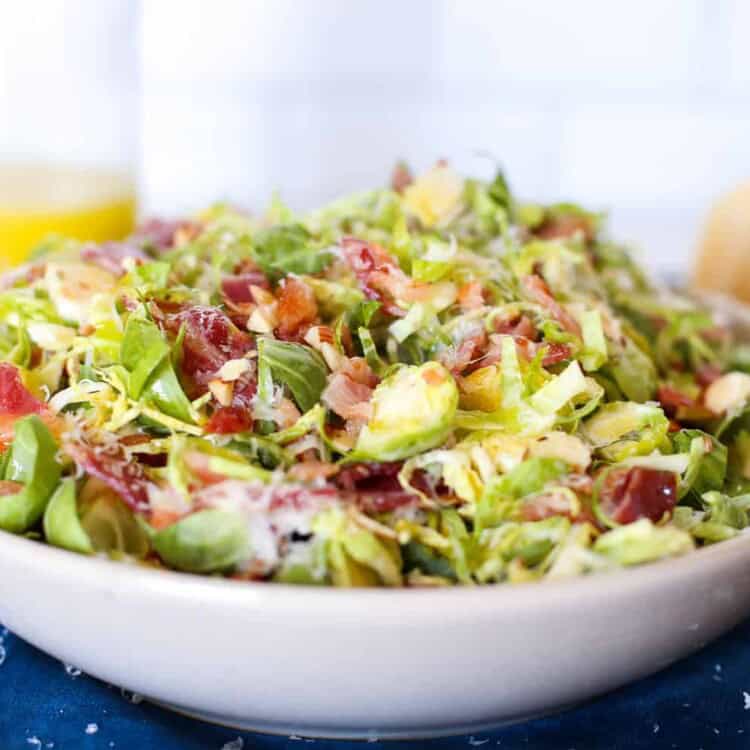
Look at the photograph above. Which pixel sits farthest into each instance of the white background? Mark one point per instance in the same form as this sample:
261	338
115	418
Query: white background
638	106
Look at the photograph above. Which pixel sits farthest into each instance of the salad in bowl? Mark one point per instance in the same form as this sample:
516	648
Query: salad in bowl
428	384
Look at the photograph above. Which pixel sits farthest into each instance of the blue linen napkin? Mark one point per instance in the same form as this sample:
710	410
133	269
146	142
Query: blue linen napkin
701	703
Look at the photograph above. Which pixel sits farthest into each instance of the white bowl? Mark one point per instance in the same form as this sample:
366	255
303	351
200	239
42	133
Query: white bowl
364	663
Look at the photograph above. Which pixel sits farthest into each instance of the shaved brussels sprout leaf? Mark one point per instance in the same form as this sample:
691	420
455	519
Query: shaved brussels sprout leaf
62	527
708	462
288	248
111	526
31	462
296	366
641	542
412	411
146	355
498	501
209	541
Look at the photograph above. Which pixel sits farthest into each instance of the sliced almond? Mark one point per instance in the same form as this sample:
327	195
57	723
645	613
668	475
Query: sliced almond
262	319
222	392
727	393
233	370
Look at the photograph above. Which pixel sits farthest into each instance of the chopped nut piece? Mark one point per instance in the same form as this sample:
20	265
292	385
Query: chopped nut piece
222	392
234	369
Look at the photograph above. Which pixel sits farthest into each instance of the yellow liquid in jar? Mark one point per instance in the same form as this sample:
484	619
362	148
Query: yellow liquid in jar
38	200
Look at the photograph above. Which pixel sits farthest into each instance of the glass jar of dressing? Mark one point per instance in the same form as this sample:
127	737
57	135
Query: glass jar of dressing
69	128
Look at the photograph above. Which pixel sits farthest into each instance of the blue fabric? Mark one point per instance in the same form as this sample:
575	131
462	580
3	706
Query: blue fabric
698	703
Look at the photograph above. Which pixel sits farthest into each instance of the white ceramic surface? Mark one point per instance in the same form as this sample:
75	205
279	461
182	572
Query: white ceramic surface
403	663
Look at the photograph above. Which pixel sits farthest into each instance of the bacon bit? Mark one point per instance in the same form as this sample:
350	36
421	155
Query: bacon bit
7	487
137	438
536	288
379	275
297	309
229	420
310	471
630	494
527	349
359	371
674	426
286	414
126	478
471	296
16	401
564	227
161	518
237	289
374	487
347	397
555	353
401	177
162	235
111	256
517	325
211	339
672	399
469	352
707	374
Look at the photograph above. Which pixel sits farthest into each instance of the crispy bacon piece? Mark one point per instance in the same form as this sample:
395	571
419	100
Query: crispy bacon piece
518	325
564	227
536	288
228	420
629	494
297	309
15	399
379	275
672	399
111	256
555	353
707	374
124	477
347	398
471	296
467	355
374	487
16	402
259	497
162	235
236	289
359	371
211	340
528	349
